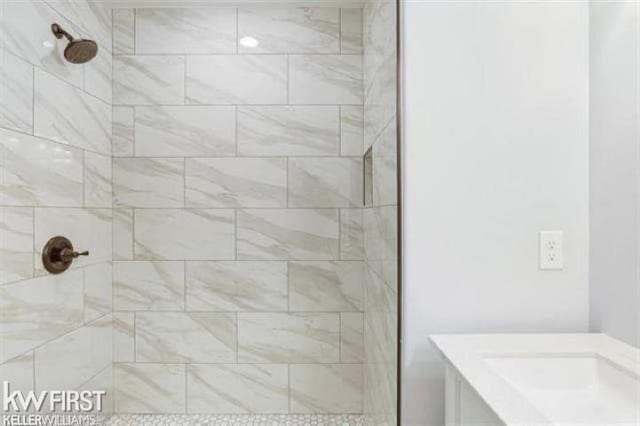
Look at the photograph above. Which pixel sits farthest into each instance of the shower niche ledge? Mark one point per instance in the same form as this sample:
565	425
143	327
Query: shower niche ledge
541	380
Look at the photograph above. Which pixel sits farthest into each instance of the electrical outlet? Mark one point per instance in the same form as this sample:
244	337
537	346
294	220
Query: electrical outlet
551	250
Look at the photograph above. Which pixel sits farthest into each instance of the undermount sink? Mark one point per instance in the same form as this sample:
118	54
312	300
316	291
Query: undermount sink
540	380
573	389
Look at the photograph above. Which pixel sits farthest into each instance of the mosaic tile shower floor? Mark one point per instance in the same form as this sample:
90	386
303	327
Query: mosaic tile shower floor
236	420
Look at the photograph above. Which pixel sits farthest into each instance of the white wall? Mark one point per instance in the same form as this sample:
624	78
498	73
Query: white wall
496	149
614	169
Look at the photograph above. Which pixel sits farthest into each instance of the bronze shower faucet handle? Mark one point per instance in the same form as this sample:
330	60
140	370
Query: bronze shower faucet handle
58	254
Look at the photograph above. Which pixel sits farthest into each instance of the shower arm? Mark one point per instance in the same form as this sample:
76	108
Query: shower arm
59	32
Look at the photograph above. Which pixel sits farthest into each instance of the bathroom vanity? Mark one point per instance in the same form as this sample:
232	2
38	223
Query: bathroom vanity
534	379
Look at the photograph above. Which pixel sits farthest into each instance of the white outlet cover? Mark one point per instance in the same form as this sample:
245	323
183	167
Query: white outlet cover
551	250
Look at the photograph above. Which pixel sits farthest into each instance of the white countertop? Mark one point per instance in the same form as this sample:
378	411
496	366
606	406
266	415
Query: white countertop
471	355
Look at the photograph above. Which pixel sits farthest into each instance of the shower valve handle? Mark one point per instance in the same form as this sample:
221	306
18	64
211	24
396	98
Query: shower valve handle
69	254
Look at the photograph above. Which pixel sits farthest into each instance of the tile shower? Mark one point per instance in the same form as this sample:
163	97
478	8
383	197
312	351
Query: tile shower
210	159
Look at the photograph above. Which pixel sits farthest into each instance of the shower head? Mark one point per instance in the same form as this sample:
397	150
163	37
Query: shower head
77	51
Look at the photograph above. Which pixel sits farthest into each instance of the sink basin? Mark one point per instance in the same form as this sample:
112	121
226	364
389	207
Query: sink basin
573	390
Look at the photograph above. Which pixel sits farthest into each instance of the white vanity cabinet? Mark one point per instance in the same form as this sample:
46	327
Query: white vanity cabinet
464	407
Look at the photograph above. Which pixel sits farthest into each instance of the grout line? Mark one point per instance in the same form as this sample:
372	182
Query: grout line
33	100
340	31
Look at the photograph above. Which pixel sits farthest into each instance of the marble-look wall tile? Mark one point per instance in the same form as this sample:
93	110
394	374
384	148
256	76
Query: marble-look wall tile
233	79
102	381
123	336
290	29
236	182
238	388
236	286
380	68
148	182
68	115
26	32
122	234
67	362
189	31
185	131
97	291
288	130
123	31
88	229
35	311
194	234
326	286
122	139
97	75
380	236
351	234
288	337
97	180
352	130
330	388
351	31
287	234
148	286
148	80
325	182
16	244
19	373
91	18
325	79
37	172
385	165
150	388
185	337
16	93
351	337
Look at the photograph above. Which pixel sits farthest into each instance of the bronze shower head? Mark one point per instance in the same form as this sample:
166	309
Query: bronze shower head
77	51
